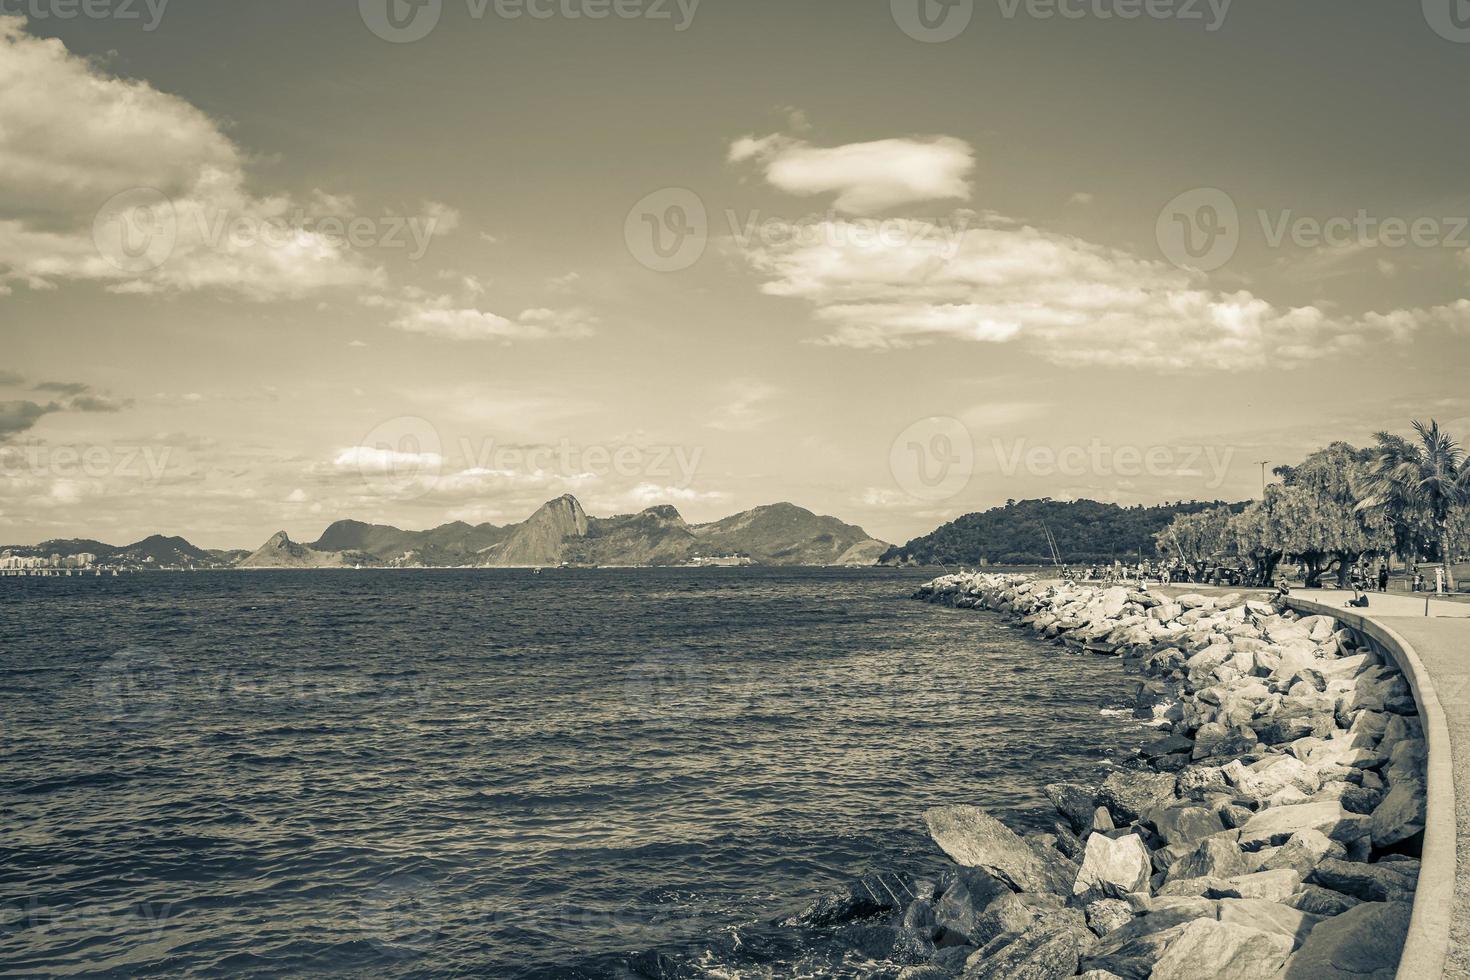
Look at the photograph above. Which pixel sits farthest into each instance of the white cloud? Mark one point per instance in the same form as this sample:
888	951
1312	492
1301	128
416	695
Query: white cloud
1069	300
866	177
445	318
73	137
746	406
1081	197
375	459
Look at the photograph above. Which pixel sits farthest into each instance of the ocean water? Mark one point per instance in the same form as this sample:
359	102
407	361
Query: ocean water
496	773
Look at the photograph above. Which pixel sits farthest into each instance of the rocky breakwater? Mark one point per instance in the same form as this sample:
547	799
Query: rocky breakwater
1271	830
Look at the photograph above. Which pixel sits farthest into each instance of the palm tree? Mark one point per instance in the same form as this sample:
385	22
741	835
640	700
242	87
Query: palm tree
1417	480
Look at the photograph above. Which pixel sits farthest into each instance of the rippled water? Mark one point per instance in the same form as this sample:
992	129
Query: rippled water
496	773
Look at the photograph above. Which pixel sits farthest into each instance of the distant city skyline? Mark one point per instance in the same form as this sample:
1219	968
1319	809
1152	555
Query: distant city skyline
266	266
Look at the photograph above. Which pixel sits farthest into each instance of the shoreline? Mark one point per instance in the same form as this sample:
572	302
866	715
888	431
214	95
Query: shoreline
1236	850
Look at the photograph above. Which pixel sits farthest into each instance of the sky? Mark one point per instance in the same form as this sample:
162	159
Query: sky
265	266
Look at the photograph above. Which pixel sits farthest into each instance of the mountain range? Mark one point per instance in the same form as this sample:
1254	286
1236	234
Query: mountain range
157	550
562	533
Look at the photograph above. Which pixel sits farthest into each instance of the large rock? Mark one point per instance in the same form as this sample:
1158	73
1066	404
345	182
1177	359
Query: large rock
1258	913
1050	950
1108	914
1322	901
1275	826
1113	867
872	893
1126	795
1363	943
1400	815
1131	951
1217	857
974	839
1007	914
1222	951
1074	802
1182	824
965	901
1381	882
1302	853
895	944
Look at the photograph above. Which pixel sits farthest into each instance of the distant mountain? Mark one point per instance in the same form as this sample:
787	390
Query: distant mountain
157	550
784	534
281	552
561	532
1085	531
453	544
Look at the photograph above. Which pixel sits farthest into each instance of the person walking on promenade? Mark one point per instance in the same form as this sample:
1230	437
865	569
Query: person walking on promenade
1383	576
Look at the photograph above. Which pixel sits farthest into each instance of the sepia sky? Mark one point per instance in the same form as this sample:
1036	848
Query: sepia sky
266	265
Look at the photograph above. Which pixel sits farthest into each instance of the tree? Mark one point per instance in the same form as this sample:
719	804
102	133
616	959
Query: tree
1430	477
1258	535
1198	538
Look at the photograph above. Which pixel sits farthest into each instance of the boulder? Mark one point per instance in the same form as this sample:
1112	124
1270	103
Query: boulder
1302	852
1273	886
1127	794
881	891
1363	943
1381	882
1400	815
1322	901
893	943
1113	867
1108	914
1182	824
1276	825
1216	856
1222	951
1132	950
1283	920
1075	802
1049	950
960	908
974	839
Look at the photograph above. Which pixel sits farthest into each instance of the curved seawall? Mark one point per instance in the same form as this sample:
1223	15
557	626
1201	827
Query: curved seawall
1278	826
1427	946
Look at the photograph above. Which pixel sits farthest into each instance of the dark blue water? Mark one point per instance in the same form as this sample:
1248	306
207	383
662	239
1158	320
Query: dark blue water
495	773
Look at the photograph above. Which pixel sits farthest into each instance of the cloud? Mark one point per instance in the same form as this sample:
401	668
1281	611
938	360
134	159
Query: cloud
1081	197
73	138
866	177
1068	300
746	407
10	378
19	416
373	459
442	317
62	387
